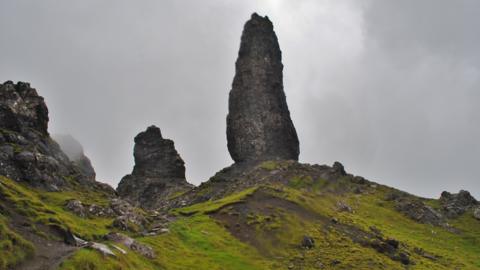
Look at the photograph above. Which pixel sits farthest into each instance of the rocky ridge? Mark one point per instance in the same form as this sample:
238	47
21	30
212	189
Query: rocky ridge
27	152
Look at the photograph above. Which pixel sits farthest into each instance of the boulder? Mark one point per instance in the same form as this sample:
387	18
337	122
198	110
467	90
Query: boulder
258	122
76	207
344	207
476	213
127	217
102	248
131	244
308	242
159	171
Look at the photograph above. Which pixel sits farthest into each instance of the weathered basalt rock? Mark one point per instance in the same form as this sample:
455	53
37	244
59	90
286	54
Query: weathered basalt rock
22	108
455	205
27	152
159	171
258	123
420	212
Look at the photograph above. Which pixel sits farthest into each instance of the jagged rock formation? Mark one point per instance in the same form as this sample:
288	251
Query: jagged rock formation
27	153
258	123
74	150
21	108
455	205
159	171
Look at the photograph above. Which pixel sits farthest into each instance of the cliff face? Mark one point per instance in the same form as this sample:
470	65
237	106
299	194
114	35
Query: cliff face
27	152
258	123
159	170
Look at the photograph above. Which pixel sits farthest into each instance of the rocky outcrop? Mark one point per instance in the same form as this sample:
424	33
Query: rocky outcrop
159	171
21	108
419	211
258	123
27	153
74	150
454	205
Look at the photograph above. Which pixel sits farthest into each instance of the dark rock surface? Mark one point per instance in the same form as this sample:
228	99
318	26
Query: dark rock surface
419	211
453	205
258	123
308	242
27	152
74	150
159	171
21	108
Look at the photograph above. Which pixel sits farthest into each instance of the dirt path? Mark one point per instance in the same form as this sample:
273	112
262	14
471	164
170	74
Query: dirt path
49	253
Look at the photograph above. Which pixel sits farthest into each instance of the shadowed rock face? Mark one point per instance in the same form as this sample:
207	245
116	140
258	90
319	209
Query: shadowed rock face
27	152
22	108
258	123
156	157
159	171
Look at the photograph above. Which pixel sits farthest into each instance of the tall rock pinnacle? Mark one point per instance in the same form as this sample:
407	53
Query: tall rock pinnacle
158	173
258	123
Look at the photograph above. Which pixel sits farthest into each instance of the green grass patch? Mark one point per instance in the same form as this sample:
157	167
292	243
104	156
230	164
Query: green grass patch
48	208
212	206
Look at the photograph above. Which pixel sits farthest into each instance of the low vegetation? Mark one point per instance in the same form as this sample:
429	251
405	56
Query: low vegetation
261	227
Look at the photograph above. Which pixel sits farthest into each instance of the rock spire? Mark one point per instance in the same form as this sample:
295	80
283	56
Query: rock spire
159	170
258	123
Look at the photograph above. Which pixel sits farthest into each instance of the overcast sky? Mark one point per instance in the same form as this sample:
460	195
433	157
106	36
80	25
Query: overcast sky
389	88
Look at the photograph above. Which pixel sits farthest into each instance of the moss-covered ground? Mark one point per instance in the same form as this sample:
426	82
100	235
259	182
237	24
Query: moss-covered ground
259	228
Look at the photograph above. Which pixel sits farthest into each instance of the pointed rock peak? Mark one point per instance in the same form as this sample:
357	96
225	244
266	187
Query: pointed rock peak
159	170
259	126
255	18
152	133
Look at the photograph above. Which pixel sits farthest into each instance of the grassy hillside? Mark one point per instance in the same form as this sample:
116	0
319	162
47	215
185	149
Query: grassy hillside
353	226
